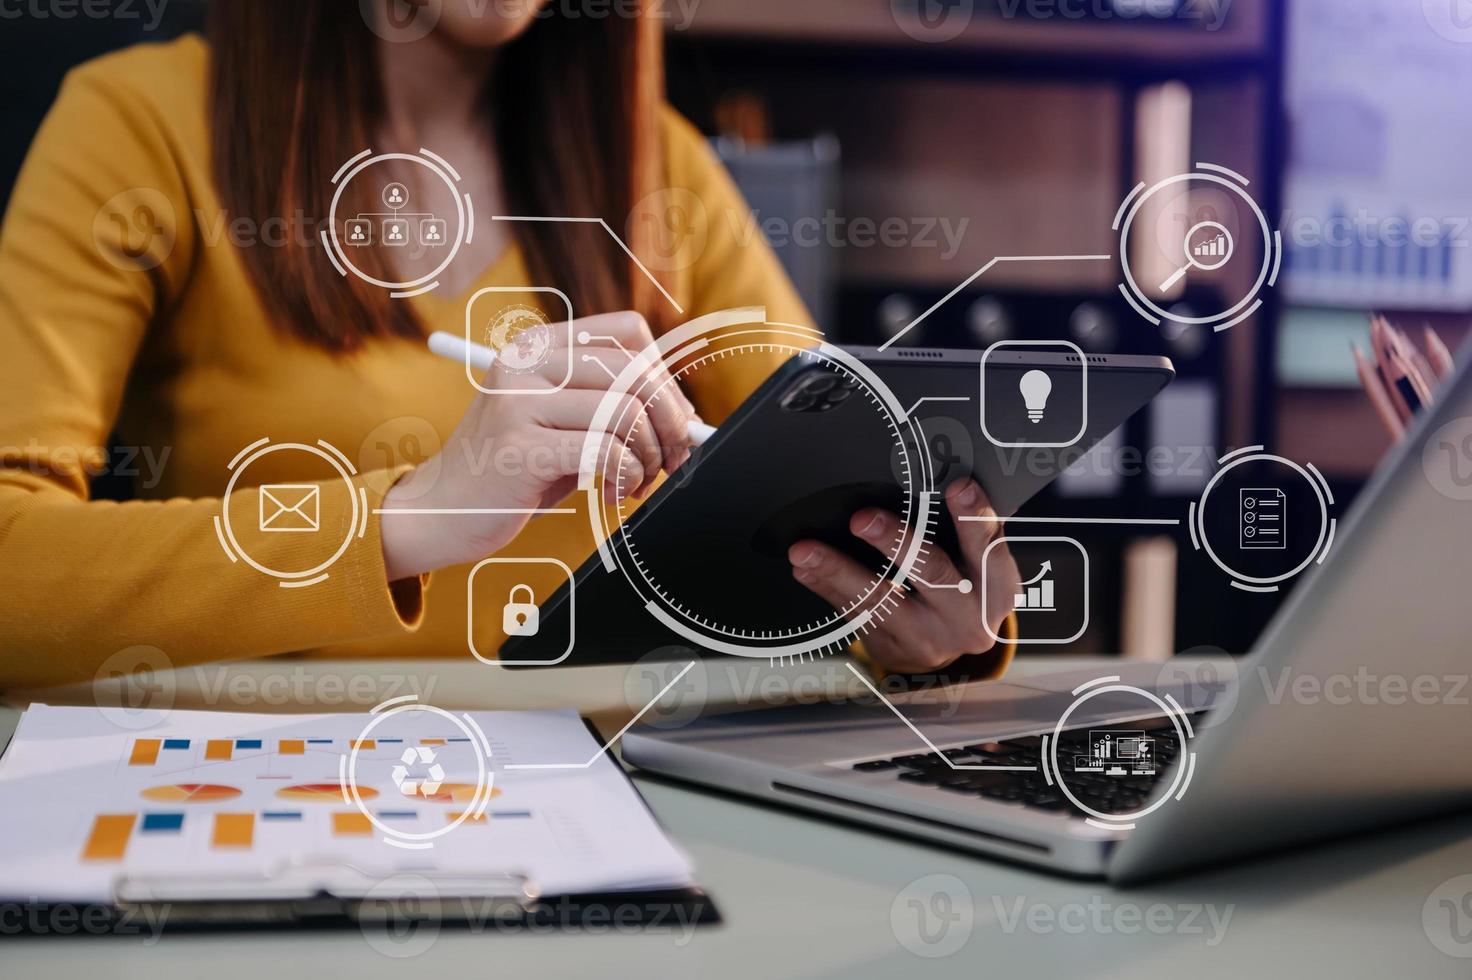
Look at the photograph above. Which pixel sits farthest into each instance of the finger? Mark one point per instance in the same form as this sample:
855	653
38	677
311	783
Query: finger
984	547
625	328
910	636
611	461
845	584
624	333
574	410
942	588
667	408
886	532
628	331
976	521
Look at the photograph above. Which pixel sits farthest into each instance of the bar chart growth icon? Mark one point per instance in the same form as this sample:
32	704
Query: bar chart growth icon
1037	592
1211	248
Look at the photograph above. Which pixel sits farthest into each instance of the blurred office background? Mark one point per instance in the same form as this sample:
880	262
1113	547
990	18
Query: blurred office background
1032	123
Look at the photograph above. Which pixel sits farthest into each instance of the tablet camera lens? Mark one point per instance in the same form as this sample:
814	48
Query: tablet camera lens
819	391
816	384
800	401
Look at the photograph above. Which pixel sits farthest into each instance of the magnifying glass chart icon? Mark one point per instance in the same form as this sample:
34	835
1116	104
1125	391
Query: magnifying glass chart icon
1208	247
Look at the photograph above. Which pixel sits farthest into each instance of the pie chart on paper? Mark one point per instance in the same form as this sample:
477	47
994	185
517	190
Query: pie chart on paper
458	793
191	793
321	793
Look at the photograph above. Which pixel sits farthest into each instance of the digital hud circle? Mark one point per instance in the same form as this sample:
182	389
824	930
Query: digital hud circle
1109	769
1182	229
766	615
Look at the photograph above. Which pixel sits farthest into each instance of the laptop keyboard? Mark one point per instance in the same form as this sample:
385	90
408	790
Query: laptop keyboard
1103	792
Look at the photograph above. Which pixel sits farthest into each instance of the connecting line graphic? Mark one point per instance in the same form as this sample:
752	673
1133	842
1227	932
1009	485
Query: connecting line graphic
587	338
994	519
983	271
934	398
475	510
598	221
921	735
590	358
609	744
963	586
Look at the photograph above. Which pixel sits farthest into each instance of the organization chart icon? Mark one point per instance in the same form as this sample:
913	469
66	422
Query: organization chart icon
390	235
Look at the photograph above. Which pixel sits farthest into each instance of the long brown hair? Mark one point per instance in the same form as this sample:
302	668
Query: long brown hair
574	100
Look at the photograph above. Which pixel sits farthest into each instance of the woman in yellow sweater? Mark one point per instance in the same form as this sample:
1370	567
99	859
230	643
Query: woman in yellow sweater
161	276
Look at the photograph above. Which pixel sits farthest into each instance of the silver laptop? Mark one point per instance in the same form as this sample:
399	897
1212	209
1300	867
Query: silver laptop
1352	712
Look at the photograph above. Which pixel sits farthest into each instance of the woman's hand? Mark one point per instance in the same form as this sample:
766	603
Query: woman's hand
519	452
932	626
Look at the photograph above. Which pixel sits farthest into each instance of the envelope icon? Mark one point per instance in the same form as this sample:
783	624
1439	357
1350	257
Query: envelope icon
291	507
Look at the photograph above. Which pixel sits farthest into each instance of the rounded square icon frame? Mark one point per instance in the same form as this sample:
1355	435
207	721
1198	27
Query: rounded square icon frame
986	621
469	311
1083	361
572	612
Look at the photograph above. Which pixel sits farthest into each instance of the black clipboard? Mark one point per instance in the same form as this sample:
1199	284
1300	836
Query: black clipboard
499	903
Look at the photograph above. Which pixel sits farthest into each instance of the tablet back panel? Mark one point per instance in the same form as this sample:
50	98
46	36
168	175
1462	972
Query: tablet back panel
779	470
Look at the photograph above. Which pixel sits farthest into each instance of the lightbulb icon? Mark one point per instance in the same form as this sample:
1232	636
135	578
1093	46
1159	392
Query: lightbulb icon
1035	386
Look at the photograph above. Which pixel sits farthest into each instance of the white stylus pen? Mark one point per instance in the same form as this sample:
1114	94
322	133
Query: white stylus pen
478	357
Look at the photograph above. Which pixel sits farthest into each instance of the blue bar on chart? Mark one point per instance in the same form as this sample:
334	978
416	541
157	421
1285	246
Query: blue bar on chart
162	823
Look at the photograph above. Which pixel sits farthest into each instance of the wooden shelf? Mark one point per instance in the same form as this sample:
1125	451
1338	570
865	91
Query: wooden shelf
874	23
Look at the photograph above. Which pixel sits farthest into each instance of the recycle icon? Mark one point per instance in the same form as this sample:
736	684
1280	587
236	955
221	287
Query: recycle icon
434	776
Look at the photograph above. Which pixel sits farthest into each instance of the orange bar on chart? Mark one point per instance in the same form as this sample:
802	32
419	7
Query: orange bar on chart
145	752
234	829
219	749
109	839
366	744
454	815
293	746
431	741
351	823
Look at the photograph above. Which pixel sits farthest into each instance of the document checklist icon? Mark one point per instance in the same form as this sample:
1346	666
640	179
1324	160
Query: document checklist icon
1263	518
289	507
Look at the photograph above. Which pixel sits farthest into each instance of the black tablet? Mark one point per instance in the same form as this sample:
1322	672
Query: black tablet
812	445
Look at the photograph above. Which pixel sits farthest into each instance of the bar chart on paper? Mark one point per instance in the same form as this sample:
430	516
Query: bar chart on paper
280	769
226	797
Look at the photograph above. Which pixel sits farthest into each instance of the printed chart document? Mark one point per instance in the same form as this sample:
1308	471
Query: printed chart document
90	798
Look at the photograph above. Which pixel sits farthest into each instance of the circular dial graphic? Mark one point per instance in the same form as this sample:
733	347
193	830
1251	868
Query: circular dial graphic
806	486
1196	226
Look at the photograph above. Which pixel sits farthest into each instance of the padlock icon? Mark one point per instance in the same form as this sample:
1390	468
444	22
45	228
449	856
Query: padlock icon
521	618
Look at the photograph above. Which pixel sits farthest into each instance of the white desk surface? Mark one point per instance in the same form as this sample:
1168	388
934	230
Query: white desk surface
805	898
